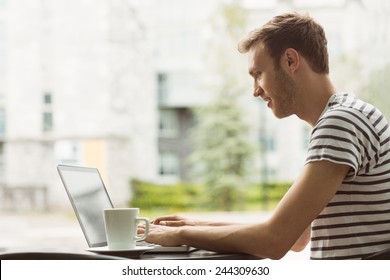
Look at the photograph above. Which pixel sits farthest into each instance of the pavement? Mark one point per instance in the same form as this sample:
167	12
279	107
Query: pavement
60	231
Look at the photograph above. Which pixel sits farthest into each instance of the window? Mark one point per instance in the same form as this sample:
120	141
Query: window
271	143
47	121
169	164
162	87
47	115
268	143
47	98
169	123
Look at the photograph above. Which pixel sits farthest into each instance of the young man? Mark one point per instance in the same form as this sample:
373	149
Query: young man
343	192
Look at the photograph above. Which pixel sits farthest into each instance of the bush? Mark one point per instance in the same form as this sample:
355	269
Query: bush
257	194
276	190
178	197
193	197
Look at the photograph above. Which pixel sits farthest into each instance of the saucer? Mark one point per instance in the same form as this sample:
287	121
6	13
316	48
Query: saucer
125	253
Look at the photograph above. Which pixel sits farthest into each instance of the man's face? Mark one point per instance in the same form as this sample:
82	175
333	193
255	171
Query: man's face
272	84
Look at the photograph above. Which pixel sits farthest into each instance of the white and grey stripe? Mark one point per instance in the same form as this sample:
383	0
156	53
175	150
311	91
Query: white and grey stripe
356	222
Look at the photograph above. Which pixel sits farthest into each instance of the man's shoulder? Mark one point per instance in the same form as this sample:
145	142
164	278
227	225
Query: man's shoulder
353	108
354	117
348	101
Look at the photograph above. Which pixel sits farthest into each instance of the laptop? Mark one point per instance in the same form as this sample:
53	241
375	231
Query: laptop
89	197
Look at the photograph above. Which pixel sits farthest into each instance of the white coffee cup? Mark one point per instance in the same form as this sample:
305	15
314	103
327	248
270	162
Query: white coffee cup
121	227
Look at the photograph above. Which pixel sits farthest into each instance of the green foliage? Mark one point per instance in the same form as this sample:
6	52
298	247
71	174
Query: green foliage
276	190
177	197
256	193
185	197
236	19
222	151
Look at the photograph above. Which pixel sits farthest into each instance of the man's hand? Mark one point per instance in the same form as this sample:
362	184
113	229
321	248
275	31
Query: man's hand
162	235
178	221
175	221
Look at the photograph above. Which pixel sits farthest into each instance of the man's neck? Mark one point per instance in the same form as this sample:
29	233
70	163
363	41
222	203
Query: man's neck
315	96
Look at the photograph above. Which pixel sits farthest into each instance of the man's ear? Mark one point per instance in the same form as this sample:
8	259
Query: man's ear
290	59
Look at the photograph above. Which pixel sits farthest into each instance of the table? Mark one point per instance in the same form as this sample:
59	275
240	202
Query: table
197	255
57	255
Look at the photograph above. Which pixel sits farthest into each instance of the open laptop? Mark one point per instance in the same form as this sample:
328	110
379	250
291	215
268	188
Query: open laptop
89	197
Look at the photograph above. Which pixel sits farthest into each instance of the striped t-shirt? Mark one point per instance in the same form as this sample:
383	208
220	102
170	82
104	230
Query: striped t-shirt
356	222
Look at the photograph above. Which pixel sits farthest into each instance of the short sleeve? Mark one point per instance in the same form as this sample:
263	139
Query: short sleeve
343	136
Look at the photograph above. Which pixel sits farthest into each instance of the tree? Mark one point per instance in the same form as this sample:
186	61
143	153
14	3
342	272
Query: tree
222	148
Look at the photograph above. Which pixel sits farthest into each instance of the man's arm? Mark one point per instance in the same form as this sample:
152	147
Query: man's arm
306	198
302	241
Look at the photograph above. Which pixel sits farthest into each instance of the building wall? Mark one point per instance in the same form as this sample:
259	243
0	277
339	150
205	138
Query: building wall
180	145
93	59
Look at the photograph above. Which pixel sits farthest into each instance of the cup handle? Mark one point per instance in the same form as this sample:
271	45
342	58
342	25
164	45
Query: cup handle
146	220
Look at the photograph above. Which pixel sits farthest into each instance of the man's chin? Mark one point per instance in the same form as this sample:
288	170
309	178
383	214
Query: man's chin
280	115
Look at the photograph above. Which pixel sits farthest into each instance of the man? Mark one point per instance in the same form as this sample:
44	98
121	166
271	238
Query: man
343	191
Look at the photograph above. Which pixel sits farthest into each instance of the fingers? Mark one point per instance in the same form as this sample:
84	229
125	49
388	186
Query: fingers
141	229
172	223
169	218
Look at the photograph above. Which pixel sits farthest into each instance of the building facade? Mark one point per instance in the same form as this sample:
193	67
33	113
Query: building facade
76	90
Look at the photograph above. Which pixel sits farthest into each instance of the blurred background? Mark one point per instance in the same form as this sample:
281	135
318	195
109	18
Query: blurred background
155	94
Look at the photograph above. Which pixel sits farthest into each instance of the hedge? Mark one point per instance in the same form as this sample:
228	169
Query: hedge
193	197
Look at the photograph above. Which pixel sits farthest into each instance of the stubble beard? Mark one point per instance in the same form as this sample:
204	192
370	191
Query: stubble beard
285	91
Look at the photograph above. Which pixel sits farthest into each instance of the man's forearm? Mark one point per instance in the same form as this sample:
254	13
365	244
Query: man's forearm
233	238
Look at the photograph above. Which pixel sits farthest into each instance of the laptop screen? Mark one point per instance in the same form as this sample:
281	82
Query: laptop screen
89	197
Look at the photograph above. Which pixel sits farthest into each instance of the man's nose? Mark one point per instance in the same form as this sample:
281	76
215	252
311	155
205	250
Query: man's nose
258	91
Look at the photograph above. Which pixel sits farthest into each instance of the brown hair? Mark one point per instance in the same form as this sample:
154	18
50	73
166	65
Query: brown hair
291	30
